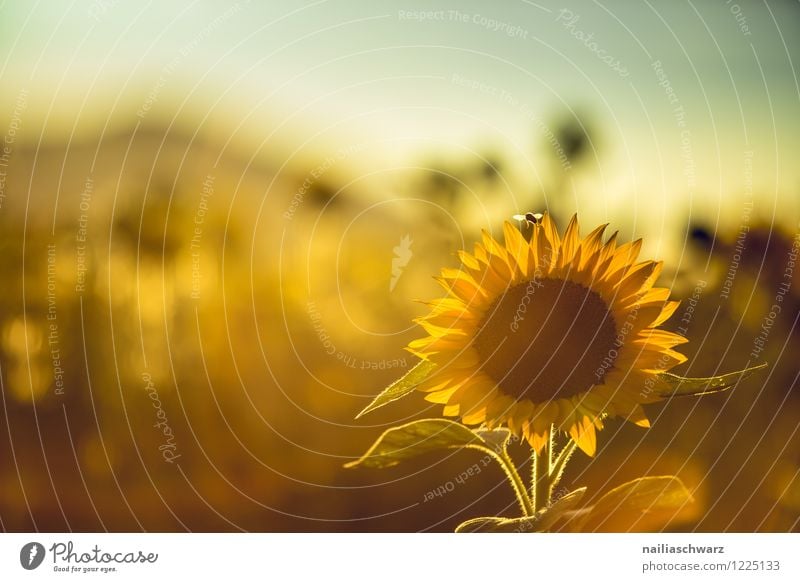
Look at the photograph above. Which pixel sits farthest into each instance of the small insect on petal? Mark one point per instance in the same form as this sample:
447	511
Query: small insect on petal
529	217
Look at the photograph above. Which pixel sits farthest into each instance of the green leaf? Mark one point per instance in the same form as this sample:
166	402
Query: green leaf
492	525
496	439
401	387
645	504
679	386
542	521
551	514
415	438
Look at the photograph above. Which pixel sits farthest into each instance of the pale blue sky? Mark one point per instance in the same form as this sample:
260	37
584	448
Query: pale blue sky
362	71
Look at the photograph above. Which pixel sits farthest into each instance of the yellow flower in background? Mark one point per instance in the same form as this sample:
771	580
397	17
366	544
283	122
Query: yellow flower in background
553	332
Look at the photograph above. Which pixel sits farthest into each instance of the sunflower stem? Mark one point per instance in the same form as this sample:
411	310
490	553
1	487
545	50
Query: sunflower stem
542	472
557	468
548	468
525	502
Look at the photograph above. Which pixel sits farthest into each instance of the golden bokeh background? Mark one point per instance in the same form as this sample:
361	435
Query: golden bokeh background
217	219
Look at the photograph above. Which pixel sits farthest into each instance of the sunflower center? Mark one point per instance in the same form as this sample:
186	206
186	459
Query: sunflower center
547	339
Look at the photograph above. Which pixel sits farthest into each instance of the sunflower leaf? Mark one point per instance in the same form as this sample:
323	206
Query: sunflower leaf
400	387
496	439
542	521
556	510
496	525
644	504
674	385
415	438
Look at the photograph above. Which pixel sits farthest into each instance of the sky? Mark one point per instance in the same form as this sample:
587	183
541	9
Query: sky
695	103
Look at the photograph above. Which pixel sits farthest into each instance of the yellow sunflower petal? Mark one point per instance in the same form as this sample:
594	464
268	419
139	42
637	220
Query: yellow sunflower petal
462	286
499	272
661	337
480	253
450	320
593	243
446	304
435	384
637	416
475	415
658	360
441	396
636	278
477	390
439	330
609	248
493	247
584	435
499	407
550	231
468	260
557	332
666	312
451	410
625	256
570	244
517	246
538	440
656	294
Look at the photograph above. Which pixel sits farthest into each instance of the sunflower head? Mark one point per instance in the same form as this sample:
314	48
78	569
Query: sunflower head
552	332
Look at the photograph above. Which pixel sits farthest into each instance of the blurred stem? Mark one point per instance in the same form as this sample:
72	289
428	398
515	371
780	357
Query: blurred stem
525	502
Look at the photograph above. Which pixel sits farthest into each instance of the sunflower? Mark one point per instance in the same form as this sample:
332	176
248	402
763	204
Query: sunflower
548	333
